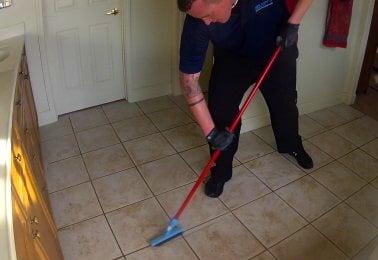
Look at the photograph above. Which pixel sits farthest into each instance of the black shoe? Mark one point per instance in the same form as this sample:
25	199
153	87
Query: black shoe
303	159
213	188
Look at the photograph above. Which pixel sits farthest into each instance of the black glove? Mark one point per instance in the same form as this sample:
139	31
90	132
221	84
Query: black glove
288	35
220	139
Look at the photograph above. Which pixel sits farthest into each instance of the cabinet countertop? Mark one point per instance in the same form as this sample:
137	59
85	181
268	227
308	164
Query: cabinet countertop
8	77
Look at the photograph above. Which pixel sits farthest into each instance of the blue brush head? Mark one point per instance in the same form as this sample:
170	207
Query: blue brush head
173	230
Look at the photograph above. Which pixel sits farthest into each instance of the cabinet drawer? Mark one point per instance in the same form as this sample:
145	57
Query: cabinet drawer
42	228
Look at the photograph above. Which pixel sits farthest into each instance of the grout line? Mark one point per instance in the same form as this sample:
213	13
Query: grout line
242	164
102	209
366	246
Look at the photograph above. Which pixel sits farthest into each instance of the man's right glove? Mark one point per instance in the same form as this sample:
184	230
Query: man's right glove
220	139
288	35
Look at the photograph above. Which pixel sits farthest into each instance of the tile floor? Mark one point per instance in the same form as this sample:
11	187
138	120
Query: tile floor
117	172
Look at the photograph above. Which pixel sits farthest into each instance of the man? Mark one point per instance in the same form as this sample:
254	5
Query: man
244	34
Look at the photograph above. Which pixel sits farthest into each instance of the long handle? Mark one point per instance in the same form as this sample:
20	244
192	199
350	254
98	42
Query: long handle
234	124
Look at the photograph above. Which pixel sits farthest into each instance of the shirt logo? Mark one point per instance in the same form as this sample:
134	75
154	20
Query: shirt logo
263	5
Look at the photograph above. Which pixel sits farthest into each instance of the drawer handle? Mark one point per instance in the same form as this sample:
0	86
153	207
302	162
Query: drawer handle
34	220
21	73
36	234
18	157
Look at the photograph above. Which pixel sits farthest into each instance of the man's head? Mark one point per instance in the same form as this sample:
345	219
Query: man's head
209	11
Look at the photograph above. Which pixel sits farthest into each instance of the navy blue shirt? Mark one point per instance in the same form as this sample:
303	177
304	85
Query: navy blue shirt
251	31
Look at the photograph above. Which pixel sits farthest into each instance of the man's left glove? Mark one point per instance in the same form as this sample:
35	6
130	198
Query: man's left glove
288	35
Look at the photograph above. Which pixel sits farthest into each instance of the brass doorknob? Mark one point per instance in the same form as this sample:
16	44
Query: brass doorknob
114	11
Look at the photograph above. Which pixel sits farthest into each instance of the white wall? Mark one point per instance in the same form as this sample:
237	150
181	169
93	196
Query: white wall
29	13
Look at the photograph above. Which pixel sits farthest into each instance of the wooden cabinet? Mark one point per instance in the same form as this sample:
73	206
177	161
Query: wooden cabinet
35	233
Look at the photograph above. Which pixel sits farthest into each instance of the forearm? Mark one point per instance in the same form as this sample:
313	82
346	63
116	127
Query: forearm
299	11
196	101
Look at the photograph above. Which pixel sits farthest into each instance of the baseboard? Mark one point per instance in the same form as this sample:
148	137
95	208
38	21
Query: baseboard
149	92
253	122
47	117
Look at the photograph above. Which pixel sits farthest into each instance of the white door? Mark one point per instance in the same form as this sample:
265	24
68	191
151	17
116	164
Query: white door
84	50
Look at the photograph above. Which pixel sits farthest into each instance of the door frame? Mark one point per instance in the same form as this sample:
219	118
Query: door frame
370	53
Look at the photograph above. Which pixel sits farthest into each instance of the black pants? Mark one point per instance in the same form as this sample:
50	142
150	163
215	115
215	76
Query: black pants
230	78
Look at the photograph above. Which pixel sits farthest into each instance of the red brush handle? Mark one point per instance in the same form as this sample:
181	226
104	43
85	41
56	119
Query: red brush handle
234	124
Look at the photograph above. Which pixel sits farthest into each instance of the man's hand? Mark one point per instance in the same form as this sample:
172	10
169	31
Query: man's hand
220	139
288	35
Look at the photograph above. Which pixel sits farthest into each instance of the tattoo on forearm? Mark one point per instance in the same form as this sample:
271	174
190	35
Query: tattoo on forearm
190	86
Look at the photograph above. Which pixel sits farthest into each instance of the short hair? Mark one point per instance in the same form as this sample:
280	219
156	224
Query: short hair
185	5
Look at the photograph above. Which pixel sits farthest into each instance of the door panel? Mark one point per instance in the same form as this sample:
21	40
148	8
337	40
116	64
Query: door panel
84	49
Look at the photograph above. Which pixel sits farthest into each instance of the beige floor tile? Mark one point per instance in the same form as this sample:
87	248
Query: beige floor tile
274	170
66	173
242	188
266	133
371	148
198	157
175	249
251	147
185	137
319	157
309	127
200	210
156	104
362	164
60	128
121	189
327	118
333	144
59	148
370	252
348	230
107	161
148	148
365	202
308	197
266	255
121	110
307	244
135	225
339	179
358	132
166	174
181	102
134	128
270	219
375	183
223	238
169	118
345	111
74	204
96	138
88	118
91	239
